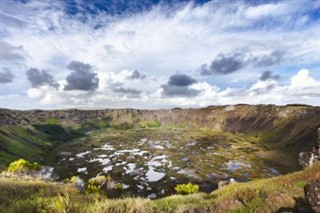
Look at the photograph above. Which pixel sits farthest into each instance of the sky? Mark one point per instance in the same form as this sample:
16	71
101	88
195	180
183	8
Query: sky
151	54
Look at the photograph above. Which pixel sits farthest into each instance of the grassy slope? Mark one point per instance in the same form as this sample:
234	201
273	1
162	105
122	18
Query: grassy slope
290	128
264	195
31	142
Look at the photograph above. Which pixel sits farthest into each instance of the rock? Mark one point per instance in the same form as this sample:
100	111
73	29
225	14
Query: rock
312	194
307	159
135	172
226	182
215	178
80	185
185	159
65	153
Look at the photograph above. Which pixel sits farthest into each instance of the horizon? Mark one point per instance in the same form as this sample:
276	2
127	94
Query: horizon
155	109
156	54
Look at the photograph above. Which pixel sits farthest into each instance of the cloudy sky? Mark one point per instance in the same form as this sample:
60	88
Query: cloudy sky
158	54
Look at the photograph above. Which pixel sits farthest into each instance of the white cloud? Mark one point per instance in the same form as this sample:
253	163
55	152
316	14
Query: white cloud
159	43
303	89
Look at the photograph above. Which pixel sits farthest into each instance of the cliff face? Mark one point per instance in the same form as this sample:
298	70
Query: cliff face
288	126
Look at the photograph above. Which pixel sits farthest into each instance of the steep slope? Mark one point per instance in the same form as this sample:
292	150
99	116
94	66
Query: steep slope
32	134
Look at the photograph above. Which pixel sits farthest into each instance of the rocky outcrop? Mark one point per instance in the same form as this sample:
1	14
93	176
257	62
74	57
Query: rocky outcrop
312	194
312	189
307	159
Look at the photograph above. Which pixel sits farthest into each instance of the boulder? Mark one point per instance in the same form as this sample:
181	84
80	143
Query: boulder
226	182
307	159
312	194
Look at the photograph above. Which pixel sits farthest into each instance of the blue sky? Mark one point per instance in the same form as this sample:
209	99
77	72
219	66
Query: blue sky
158	54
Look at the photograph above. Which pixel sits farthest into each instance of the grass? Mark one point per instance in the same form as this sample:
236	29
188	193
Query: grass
23	194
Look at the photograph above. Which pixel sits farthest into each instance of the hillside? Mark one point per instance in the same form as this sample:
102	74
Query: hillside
147	153
32	134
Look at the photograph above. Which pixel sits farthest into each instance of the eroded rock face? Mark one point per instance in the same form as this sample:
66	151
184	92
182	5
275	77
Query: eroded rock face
312	194
307	159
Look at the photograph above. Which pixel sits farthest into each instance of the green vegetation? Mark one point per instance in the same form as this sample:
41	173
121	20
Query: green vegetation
185	189
23	166
264	195
274	134
52	121
151	124
73	179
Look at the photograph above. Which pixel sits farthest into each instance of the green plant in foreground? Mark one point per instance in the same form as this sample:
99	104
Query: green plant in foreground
185	189
73	179
95	185
22	165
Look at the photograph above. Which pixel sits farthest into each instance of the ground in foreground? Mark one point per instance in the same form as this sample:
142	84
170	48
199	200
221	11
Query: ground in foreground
283	193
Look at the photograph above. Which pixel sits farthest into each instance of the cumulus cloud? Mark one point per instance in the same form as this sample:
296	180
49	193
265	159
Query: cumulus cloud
130	91
301	88
181	80
266	75
228	63
136	75
224	64
39	78
267	60
178	85
6	76
82	77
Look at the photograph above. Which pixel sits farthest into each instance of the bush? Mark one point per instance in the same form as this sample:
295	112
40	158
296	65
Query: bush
154	123
22	165
73	179
95	185
151	124
185	189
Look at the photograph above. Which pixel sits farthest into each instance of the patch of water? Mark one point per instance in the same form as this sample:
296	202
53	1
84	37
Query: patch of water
82	154
152	196
154	176
83	170
130	167
156	147
107	169
102	161
189	172
235	165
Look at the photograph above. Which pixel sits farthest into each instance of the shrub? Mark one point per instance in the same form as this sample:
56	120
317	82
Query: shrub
151	124
95	185
185	189
143	124
22	165
154	123
73	179
118	186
